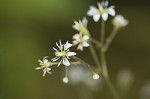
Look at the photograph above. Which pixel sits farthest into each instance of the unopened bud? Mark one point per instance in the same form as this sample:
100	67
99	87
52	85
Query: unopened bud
119	21
65	80
95	76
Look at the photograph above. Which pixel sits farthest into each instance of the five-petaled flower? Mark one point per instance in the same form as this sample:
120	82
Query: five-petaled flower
81	26
45	65
119	21
81	41
63	53
102	10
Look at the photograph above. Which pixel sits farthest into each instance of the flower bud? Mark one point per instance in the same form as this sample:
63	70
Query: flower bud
65	80
119	21
95	76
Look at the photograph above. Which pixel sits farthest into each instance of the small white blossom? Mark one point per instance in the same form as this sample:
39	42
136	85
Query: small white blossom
81	26
81	41
119	21
45	66
102	11
63	53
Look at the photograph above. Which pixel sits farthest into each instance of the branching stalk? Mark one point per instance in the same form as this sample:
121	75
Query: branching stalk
84	63
104	64
97	43
110	38
95	57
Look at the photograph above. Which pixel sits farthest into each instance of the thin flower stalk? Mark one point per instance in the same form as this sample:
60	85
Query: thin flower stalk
95	57
104	64
110	39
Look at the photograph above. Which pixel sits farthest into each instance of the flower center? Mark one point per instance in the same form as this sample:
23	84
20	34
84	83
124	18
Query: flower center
46	64
81	40
101	10
62	53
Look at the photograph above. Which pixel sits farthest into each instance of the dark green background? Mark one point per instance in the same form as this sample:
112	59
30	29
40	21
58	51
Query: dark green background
30	28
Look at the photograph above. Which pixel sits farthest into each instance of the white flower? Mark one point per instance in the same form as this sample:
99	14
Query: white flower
45	66
63	53
81	26
81	40
119	21
102	11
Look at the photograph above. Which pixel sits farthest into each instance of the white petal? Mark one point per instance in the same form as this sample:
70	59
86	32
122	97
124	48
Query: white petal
104	3
111	11
57	44
45	61
105	16
85	44
60	42
67	45
99	4
41	62
44	72
61	45
66	62
85	21
48	70
85	37
93	10
80	47
76	36
76	26
96	17
55	49
57	54
45	57
71	53
55	59
59	63
75	42
37	68
67	57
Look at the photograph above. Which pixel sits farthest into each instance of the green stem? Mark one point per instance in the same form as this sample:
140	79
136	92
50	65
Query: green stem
106	76
84	63
104	64
94	55
110	38
98	44
102	36
73	63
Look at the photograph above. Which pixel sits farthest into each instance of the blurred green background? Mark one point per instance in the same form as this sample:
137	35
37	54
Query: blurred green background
30	28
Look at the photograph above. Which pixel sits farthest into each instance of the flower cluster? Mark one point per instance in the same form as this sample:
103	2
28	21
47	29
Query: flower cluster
63	53
83	39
